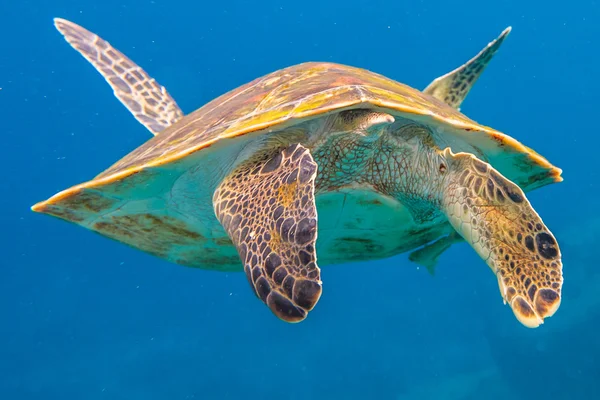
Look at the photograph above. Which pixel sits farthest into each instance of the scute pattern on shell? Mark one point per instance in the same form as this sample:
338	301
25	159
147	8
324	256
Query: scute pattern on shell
295	92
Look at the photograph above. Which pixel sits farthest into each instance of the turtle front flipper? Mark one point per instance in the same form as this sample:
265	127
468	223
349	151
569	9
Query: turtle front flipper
267	206
494	216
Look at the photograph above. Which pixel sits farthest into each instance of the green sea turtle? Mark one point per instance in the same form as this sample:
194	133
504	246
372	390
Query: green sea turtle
240	183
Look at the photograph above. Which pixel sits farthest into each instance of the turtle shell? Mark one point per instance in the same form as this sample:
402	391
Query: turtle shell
304	91
148	198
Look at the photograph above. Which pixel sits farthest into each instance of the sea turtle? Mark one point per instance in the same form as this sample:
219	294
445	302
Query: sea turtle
241	182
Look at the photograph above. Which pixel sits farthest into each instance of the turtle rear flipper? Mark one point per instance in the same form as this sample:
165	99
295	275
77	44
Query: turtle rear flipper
428	255
267	206
453	87
146	99
494	216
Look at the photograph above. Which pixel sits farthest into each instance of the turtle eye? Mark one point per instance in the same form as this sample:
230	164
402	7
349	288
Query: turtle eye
442	168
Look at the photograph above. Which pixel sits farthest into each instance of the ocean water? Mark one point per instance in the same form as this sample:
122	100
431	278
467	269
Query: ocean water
83	317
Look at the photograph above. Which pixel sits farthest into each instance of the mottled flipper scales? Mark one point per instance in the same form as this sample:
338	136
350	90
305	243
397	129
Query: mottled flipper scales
494	216
267	206
148	101
453	87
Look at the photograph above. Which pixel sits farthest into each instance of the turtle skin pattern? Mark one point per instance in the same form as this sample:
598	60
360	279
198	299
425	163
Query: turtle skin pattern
494	215
267	206
146	99
453	87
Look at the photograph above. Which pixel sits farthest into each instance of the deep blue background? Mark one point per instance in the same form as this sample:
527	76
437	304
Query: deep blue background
85	317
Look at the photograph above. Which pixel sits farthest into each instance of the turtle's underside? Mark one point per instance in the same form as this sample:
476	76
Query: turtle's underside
319	159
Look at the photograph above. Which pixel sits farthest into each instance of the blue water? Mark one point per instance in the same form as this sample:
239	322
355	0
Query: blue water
83	317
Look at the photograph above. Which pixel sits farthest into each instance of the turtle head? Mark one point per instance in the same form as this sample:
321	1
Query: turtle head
493	215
